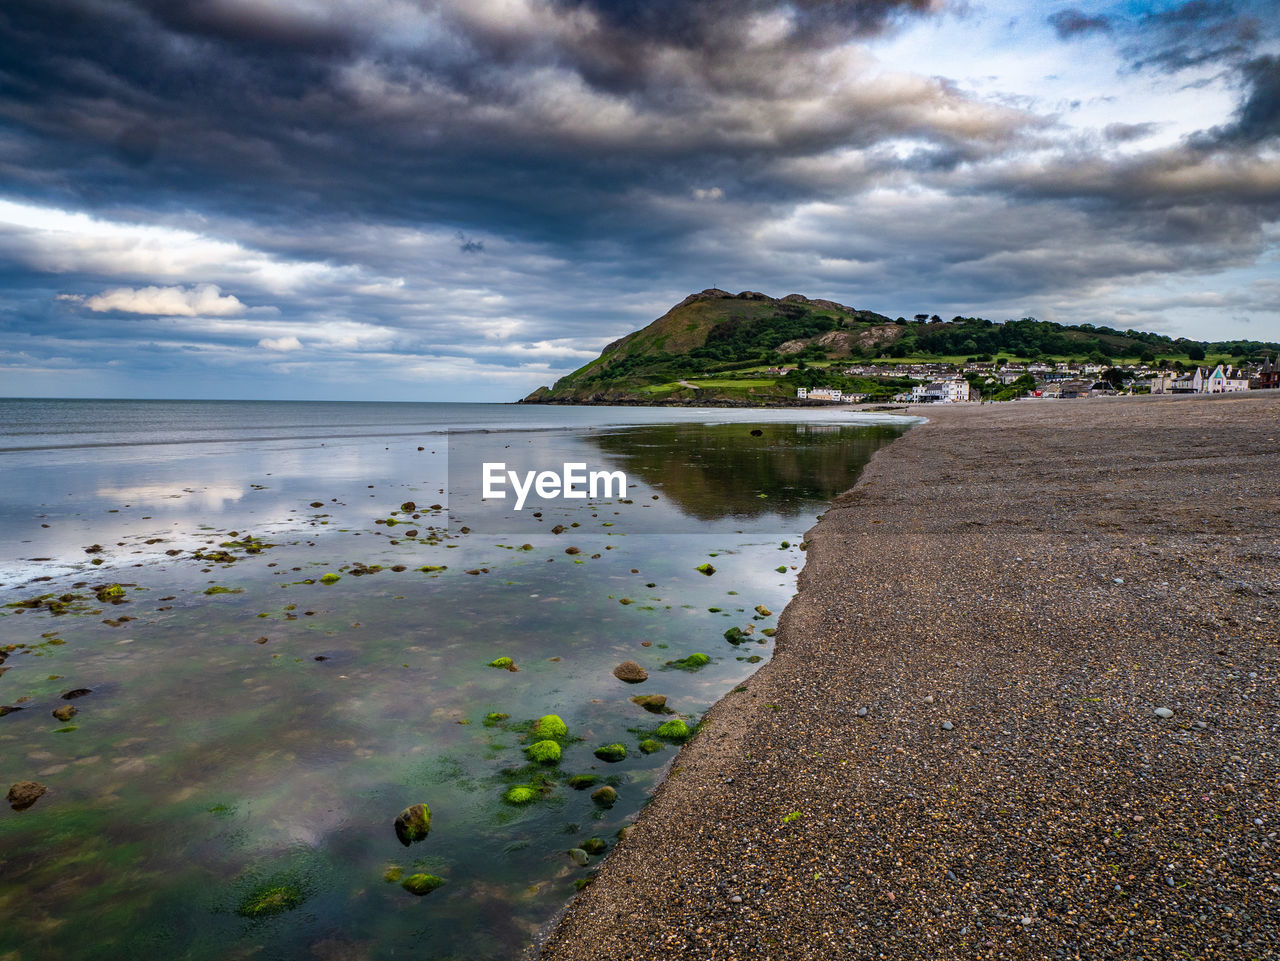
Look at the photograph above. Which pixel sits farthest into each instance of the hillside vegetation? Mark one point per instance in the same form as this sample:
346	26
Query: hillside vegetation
717	348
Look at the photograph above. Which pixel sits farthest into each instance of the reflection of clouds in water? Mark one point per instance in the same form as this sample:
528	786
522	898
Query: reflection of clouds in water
163	495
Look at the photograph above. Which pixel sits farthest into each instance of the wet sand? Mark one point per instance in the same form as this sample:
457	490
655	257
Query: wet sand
955	751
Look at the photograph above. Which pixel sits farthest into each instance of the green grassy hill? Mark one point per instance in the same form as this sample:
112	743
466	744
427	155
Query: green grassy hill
716	348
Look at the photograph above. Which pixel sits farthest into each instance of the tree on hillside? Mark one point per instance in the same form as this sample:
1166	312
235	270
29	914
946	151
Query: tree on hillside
1195	352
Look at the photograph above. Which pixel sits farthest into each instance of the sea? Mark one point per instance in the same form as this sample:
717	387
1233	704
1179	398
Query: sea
245	647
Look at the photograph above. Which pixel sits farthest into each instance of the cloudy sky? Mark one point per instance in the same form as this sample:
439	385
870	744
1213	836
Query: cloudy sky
464	199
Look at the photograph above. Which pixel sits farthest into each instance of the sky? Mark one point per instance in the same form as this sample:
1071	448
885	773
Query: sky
460	200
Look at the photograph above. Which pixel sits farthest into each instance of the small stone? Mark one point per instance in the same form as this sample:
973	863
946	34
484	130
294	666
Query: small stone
413	824
1026	921
928	699
862	712
1117	580
604	796
65	713
1164	712
736	899
946	725
420	884
23	794
630	672
580	857
1202	725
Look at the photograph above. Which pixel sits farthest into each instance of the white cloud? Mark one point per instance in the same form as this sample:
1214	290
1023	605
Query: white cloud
202	300
282	344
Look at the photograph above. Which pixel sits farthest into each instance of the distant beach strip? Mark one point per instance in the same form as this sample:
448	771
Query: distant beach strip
1024	706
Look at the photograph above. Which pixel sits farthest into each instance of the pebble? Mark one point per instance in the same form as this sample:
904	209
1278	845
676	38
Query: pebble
862	712
928	699
1164	712
946	725
736	899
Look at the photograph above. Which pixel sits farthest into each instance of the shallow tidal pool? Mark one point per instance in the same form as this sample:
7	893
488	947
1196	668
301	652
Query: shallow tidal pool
284	646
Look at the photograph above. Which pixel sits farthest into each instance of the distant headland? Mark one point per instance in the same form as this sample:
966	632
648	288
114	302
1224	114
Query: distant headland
715	348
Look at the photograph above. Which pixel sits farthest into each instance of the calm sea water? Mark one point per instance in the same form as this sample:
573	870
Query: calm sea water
250	728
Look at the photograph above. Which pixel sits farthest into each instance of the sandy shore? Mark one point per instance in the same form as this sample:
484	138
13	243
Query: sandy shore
955	751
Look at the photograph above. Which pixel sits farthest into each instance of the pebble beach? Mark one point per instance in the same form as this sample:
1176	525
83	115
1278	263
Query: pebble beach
1024	705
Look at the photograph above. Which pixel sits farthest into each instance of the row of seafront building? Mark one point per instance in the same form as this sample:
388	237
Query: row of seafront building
946	384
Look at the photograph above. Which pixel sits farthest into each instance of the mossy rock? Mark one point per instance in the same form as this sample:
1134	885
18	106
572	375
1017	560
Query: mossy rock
693	662
413	824
494	718
705	569
630	672
393	874
605	796
521	794
111	592
781	568
544	752
330	578
675	730
550	726
421	884
654	703
505	663
594	846
611	752
734	635
763	611
649	745
580	782
266	901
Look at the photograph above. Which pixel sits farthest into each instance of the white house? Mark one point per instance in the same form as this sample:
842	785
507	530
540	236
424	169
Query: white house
833	394
1225	380
1221	380
953	390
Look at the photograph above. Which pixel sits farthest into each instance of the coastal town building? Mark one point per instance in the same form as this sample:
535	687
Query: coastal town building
1223	379
952	390
1268	377
832	394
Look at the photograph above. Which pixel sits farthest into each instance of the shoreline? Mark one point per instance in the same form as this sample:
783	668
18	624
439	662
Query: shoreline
954	750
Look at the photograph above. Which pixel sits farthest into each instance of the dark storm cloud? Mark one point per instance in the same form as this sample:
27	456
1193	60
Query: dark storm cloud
1073	23
1199	32
549	122
1258	117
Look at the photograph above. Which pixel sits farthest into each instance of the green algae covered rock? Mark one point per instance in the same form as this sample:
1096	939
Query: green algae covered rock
544	752
705	569
505	663
421	884
330	578
580	782
413	824
265	901
494	718
675	730
521	794
693	662
594	846
550	727
611	752
604	796
649	745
